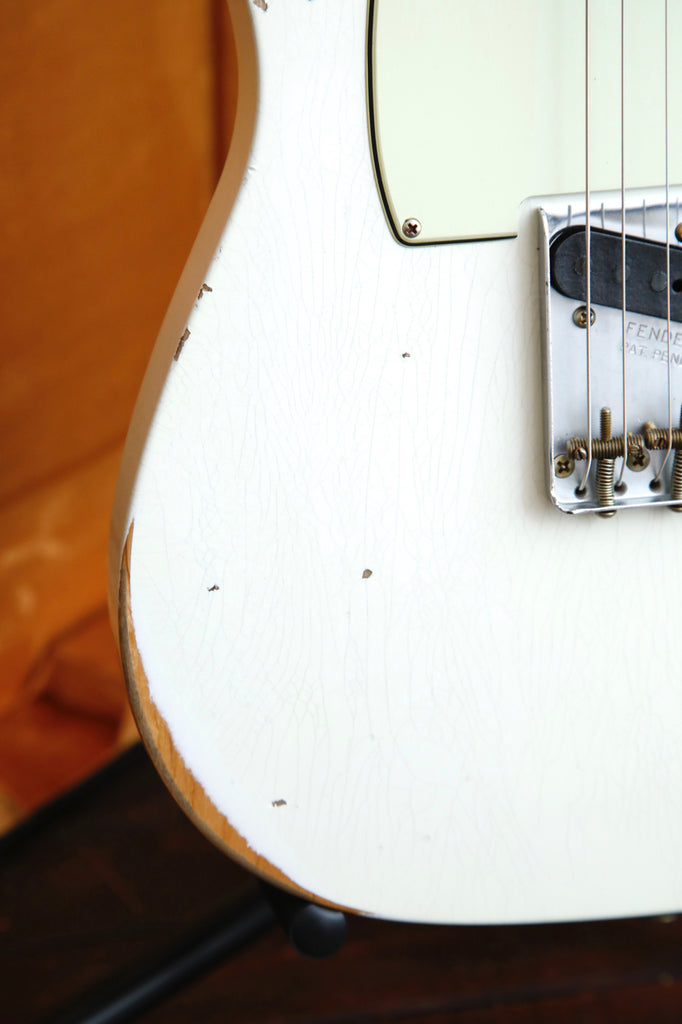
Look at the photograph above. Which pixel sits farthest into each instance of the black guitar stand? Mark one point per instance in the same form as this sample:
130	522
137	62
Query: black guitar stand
314	931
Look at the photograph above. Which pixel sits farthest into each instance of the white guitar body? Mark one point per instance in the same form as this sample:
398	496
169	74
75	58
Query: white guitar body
406	680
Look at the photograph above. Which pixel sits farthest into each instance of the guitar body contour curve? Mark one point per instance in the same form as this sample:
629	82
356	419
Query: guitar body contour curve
368	655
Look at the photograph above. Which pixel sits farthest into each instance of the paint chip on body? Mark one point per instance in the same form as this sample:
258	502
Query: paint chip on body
406	355
181	343
214	587
279	803
204	288
262	4
366	574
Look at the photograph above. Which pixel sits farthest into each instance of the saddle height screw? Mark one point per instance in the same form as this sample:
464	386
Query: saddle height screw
412	227
563	466
605	469
580	316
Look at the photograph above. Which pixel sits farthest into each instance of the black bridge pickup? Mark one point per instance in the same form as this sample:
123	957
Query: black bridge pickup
645	275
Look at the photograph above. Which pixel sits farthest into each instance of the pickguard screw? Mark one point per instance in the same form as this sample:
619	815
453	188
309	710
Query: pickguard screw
580	316
411	227
563	466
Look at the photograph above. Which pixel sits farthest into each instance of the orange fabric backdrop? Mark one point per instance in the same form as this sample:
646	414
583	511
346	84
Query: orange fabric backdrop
113	128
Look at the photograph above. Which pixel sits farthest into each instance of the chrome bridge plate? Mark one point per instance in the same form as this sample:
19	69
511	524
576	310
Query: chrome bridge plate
649	351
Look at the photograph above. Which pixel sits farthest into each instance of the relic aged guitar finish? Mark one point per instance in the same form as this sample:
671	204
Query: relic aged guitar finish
393	561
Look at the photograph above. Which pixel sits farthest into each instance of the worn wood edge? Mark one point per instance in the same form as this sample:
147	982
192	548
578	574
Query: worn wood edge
178	779
241	45
185	789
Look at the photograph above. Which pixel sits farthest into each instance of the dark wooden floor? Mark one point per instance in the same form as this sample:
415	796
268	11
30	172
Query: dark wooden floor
118	876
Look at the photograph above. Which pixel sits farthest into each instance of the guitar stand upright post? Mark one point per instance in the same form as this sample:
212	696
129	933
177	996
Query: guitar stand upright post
315	932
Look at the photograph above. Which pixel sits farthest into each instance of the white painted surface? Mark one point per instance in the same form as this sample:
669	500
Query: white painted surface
482	104
488	727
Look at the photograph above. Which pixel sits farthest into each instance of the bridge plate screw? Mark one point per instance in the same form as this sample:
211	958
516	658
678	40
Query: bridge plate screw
638	459
580	316
411	227
563	466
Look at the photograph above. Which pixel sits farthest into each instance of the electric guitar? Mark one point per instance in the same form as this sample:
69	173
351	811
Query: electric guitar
393	563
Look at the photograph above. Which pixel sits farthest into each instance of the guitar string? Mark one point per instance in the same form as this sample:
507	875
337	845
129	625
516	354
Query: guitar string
657	479
582	486
619	485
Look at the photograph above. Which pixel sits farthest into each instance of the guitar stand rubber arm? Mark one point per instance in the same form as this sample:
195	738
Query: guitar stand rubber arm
314	931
